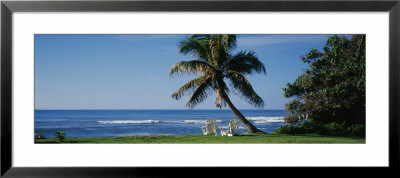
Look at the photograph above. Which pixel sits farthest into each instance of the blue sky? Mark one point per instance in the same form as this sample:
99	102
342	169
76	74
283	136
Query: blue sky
131	71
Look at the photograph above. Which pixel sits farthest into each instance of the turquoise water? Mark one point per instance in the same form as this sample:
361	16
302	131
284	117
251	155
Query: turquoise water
100	123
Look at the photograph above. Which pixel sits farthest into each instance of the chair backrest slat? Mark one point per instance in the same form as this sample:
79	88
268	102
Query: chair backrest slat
233	124
211	126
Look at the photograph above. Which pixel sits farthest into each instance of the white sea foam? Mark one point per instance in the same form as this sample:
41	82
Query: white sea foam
192	121
257	120
227	127
153	122
130	122
90	129
264	120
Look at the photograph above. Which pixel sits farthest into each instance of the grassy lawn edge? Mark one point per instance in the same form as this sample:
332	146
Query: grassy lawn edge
211	139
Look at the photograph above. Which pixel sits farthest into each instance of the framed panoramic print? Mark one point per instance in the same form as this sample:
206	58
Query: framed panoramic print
141	88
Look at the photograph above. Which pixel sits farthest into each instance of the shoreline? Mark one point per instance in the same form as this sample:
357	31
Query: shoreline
105	123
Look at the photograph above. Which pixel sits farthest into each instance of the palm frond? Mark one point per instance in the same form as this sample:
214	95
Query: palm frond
195	47
240	83
189	86
201	93
229	42
214	49
220	46
244	69
202	36
245	63
191	67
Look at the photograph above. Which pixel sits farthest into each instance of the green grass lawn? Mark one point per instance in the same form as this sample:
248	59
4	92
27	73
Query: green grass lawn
196	139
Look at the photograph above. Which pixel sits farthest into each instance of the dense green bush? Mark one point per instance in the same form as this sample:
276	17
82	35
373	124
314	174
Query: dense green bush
358	130
304	128
61	135
332	88
332	128
331	91
289	129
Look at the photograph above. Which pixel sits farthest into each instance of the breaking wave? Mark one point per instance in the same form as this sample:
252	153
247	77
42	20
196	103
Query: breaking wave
256	120
154	122
264	120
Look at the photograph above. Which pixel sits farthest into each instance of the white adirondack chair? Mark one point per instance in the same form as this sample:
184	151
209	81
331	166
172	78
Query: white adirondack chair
210	128
39	135
233	125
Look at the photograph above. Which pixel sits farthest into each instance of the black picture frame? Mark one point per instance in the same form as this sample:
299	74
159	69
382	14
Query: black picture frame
8	7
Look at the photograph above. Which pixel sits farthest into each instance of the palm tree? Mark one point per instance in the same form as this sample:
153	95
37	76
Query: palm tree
215	64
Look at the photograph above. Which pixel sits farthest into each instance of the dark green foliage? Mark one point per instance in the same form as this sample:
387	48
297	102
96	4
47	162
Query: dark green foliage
61	135
358	130
332	128
332	90
304	128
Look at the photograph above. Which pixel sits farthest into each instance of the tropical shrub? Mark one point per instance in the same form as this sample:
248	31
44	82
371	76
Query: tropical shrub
332	129
332	89
306	127
358	130
61	135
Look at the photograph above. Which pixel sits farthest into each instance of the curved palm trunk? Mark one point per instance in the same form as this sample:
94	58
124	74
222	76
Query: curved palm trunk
250	126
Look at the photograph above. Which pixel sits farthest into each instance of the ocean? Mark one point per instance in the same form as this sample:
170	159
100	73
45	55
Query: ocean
111	123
